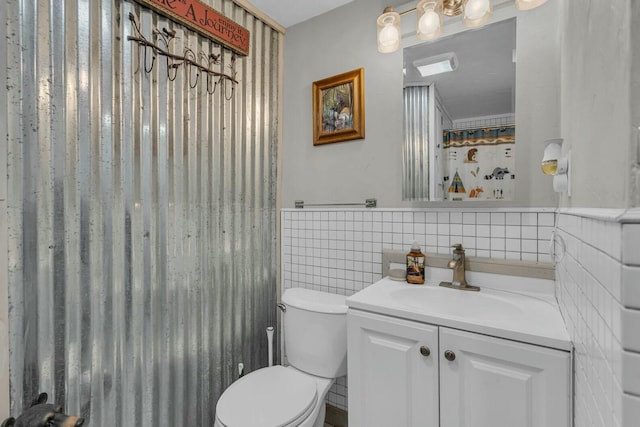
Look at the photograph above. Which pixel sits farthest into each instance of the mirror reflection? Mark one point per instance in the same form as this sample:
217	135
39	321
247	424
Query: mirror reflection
459	116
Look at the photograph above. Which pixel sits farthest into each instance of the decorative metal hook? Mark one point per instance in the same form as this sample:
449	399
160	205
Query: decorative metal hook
136	28
193	86
134	23
175	72
190	60
215	84
153	59
233	86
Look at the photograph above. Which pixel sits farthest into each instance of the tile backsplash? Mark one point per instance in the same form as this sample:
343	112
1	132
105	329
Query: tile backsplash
340	250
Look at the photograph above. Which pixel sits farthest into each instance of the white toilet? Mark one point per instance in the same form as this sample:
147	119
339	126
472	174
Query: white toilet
315	341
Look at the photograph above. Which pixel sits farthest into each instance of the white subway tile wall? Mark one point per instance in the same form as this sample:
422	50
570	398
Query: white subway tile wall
597	293
340	251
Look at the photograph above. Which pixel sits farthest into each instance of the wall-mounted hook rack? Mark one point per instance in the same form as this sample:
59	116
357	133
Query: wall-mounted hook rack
189	60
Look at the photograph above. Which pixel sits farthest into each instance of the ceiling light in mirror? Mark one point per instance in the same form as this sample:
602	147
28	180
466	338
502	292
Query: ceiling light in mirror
430	19
477	13
437	64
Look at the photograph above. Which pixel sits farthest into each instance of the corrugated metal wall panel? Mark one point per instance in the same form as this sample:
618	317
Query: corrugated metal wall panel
141	215
4	291
415	149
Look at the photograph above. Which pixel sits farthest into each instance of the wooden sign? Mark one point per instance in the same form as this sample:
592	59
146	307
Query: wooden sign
203	19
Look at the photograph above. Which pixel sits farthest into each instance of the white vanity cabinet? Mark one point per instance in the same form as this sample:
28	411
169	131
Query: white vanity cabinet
392	371
466	380
487	381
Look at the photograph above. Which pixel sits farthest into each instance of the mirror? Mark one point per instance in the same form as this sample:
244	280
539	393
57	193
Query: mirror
459	125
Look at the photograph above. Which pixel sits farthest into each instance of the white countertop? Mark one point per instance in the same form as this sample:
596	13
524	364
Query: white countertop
516	316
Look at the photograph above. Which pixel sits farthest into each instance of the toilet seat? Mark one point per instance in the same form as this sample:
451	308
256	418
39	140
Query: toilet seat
269	397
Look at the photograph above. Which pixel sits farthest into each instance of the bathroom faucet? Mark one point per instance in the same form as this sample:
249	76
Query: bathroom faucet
457	265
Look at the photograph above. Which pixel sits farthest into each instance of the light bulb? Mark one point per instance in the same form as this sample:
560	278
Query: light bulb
389	36
475	9
429	22
429	19
388	31
477	12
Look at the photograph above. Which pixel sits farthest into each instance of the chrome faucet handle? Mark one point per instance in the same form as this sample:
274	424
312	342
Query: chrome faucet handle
458	251
458	265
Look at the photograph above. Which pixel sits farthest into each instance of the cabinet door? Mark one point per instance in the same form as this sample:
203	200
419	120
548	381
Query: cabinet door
496	382
390	381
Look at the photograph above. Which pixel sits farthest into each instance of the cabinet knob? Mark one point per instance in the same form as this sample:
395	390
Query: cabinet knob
450	355
424	350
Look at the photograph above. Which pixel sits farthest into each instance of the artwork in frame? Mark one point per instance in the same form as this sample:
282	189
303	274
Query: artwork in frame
338	108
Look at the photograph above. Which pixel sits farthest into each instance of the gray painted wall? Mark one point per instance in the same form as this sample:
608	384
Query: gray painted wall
345	39
597	102
635	103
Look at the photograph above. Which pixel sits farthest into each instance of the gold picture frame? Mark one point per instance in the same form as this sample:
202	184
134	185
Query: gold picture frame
338	108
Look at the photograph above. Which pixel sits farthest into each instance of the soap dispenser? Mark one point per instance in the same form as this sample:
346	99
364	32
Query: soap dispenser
415	265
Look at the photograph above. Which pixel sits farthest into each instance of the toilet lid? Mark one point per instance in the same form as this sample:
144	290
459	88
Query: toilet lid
269	397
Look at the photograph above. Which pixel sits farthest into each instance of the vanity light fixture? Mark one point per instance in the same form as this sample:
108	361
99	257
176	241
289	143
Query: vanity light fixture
388	31
477	13
430	18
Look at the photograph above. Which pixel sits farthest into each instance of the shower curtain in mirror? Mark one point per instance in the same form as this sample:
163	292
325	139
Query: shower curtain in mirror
141	214
479	163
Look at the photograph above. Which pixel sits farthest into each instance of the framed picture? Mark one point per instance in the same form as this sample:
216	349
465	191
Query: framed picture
338	108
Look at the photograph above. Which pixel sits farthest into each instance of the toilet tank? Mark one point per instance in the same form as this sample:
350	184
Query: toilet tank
315	332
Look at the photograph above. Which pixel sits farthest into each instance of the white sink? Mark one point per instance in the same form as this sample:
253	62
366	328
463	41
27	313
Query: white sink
501	313
454	302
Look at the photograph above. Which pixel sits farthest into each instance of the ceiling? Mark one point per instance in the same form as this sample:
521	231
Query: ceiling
484	82
291	12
